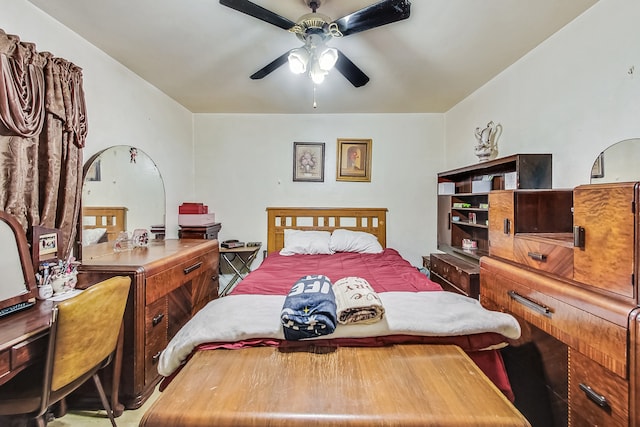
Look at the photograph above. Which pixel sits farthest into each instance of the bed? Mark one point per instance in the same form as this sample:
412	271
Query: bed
231	364
102	223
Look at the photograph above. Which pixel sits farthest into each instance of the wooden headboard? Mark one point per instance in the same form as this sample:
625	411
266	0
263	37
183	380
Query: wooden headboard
113	218
370	220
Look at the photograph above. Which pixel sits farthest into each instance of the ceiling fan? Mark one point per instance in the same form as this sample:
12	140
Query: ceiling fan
315	30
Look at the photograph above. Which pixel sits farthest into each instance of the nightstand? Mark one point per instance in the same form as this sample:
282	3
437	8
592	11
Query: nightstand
239	261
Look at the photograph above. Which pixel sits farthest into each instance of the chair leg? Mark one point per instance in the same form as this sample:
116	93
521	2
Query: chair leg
103	398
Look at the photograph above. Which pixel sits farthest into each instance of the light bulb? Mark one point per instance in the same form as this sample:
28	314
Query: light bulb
328	58
317	73
298	59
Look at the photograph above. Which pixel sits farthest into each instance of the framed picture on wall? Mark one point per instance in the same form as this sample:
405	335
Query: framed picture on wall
308	161
597	171
354	160
93	173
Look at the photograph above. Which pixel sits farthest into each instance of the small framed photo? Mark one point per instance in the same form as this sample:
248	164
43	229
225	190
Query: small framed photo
354	160
308	161
45	244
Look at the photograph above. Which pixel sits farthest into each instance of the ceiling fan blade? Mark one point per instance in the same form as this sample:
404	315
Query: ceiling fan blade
351	71
270	67
259	12
376	15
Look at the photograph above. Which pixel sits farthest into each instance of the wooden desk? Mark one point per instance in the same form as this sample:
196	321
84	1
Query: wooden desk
23	339
400	385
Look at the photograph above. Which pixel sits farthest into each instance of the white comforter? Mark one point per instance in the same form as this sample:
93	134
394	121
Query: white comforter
241	317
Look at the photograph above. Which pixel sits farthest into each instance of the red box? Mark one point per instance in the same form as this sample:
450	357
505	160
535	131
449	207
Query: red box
193	208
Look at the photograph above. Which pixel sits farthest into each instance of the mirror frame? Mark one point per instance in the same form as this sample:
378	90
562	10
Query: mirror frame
79	249
28	298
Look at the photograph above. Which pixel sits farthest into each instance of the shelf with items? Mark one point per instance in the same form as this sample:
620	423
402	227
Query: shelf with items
463	199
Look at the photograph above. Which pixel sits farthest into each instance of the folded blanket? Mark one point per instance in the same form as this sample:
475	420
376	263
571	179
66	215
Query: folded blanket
309	310
356	301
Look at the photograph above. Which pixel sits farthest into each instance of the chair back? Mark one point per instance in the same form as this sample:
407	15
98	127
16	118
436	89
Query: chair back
86	328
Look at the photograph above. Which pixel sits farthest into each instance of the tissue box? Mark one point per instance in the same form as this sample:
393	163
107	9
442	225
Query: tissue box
480	186
196	220
446	188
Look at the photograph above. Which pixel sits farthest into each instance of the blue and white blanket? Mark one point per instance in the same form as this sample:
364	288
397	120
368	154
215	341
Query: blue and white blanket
309	310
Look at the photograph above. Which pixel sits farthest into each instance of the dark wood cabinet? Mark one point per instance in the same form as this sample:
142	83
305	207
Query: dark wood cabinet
170	281
455	275
577	284
463	207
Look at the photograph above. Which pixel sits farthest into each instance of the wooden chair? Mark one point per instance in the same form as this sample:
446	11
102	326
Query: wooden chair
83	339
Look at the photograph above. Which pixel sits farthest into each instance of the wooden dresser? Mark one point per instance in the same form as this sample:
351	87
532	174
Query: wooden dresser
565	263
170	281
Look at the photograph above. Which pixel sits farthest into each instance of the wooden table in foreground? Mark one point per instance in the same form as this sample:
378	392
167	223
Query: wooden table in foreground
401	385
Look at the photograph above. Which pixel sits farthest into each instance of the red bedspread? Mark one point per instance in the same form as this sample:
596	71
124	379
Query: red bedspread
385	272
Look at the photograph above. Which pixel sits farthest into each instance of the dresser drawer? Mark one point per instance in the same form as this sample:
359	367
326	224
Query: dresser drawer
155	339
597	397
554	258
455	274
604	341
160	284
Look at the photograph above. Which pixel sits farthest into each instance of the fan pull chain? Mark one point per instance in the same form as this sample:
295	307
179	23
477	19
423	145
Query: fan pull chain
315	104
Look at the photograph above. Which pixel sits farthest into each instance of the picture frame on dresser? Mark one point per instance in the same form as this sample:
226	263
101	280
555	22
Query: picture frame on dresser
44	245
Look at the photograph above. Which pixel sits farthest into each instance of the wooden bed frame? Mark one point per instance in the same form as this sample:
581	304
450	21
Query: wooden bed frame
113	218
370	220
399	385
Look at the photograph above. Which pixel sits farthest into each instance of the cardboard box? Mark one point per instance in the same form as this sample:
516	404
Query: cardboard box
446	188
196	220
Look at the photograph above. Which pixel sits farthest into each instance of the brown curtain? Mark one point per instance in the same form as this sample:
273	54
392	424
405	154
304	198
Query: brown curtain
43	127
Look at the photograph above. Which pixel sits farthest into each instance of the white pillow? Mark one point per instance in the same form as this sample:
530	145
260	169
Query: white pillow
91	236
305	242
354	241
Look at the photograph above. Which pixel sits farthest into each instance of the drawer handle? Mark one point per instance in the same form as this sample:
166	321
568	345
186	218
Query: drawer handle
157	319
578	236
537	256
193	267
542	309
506	226
156	357
598	399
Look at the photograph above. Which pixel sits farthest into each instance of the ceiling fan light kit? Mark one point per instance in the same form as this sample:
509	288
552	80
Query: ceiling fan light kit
315	30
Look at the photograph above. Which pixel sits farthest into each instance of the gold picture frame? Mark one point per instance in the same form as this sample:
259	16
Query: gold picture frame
354	160
308	161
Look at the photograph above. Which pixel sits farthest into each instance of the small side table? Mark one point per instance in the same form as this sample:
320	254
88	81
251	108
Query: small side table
245	256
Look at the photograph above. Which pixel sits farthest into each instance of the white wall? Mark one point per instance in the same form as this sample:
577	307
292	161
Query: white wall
122	108
572	96
244	164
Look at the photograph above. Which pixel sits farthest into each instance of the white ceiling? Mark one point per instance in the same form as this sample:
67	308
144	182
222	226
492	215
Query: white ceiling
201	53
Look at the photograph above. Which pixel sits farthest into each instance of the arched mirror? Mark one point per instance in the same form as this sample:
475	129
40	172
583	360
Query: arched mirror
618	163
122	191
